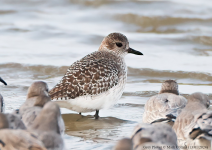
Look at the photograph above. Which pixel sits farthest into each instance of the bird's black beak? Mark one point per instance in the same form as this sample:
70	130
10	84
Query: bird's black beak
130	50
1	80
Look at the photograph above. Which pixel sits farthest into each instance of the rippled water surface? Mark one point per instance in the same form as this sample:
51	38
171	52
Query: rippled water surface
39	39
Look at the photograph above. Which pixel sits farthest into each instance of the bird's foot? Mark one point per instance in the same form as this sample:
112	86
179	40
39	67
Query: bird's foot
96	114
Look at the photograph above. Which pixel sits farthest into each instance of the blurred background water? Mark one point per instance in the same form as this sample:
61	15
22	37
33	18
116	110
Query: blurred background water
39	39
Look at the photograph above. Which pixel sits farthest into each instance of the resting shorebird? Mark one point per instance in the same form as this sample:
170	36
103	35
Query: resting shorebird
96	81
37	97
46	127
166	105
1	97
194	124
11	139
156	136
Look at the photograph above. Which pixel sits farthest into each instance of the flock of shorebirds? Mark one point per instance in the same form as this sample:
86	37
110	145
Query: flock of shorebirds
170	121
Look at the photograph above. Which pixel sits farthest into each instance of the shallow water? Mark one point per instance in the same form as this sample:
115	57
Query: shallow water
40	39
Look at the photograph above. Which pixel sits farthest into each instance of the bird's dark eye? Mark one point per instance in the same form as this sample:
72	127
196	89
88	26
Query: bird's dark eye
119	44
166	100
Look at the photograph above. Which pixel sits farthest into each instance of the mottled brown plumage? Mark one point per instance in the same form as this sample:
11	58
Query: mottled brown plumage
95	74
92	77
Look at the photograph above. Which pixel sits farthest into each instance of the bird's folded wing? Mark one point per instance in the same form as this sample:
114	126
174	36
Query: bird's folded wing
92	75
29	115
153	110
197	125
203	127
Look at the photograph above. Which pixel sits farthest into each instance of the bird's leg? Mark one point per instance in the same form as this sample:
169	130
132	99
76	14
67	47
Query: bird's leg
96	114
80	113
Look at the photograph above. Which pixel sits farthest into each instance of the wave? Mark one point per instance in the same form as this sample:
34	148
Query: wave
93	3
161	24
146	72
3	12
152	93
36	70
206	40
140	93
150	75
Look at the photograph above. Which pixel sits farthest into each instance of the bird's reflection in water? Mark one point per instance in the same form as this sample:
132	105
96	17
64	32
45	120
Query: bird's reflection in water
86	127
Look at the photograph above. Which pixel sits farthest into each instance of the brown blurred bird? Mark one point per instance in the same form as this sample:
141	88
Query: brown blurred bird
194	124
11	139
37	97
46	127
166	105
156	136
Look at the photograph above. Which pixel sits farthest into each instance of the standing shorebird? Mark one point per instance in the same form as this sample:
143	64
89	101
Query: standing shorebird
96	81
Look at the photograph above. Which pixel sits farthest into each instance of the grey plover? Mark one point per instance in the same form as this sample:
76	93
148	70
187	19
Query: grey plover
11	139
1	97
154	136
194	124
46	127
96	81
165	106
37	97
